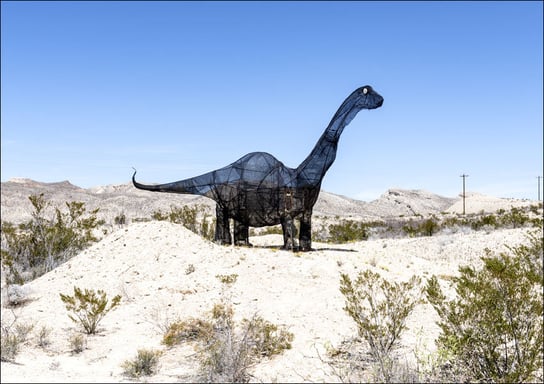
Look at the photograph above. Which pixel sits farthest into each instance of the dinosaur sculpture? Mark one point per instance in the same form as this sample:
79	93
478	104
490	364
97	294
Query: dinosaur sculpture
258	190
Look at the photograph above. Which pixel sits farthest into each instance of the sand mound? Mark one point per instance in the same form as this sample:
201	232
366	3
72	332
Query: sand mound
148	264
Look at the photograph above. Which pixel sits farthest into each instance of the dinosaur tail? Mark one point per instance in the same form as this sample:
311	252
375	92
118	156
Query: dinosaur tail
199	185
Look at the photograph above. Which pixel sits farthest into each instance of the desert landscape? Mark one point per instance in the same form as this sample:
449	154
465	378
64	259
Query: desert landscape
164	272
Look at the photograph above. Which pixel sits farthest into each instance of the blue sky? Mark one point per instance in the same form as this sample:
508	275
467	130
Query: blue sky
176	89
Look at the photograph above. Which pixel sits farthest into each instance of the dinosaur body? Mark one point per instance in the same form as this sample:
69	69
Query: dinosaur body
258	190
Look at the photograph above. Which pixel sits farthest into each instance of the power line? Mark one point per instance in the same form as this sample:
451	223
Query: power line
464	195
539	177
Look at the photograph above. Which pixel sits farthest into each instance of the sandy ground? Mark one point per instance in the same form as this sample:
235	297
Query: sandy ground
148	265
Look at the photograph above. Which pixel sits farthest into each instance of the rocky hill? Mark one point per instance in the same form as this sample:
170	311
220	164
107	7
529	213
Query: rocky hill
115	200
124	199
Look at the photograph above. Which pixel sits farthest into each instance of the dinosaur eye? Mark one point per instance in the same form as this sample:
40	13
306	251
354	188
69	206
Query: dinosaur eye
365	91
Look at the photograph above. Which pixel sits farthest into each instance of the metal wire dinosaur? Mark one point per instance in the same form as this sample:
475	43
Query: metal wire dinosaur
258	190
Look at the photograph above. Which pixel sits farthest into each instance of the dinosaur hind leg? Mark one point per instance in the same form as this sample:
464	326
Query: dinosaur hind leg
305	237
241	234
222	226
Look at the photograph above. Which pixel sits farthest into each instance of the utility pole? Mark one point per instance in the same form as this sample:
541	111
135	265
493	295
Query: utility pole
539	177
464	177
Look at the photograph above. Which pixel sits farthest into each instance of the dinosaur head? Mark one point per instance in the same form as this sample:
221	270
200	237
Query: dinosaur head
367	98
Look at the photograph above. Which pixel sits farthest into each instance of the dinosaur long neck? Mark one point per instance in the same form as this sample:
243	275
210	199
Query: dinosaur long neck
312	170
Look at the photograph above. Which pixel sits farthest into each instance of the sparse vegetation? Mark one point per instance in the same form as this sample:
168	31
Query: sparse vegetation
10	344
231	350
88	307
14	334
120	219
77	342
379	308
272	230
33	248
195	218
342	230
190	269
16	295
227	279
189	330
493	328
43	336
347	230
227	350
144	364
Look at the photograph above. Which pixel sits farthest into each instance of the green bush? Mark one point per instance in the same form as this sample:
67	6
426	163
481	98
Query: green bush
493	328
485	220
193	218
39	245
347	230
88	307
380	308
424	228
516	218
429	227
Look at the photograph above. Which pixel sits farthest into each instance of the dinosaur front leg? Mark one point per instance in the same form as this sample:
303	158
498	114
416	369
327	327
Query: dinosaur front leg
241	234
222	226
305	237
289	232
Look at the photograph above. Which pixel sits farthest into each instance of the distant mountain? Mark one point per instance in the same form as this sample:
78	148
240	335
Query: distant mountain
115	200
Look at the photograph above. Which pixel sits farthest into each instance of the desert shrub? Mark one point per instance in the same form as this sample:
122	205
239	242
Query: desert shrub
10	344
16	295
77	342
88	307
14	334
516	218
537	222
226	356
485	220
39	245
227	279
271	230
43	336
429	227
190	269
380	308
493	327
226	349
421	228
347	230
231	350
193	218
268	338
144	364
189	330
535	208
120	219
410	229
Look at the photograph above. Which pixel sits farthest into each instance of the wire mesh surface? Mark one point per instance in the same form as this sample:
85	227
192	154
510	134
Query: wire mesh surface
258	190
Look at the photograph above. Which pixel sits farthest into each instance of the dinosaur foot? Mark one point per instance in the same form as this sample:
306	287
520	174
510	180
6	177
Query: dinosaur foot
243	243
